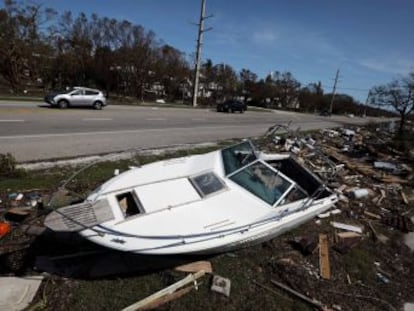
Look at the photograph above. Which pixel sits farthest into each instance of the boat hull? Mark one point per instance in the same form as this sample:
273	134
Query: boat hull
214	243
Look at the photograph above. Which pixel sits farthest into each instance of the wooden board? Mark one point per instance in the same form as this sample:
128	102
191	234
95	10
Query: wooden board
196	266
324	266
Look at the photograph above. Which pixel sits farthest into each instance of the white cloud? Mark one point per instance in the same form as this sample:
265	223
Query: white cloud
266	37
393	65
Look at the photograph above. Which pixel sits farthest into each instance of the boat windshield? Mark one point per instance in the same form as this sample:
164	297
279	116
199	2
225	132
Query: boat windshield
235	157
262	181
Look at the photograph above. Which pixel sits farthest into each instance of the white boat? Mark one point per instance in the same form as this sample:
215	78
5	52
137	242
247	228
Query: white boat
199	204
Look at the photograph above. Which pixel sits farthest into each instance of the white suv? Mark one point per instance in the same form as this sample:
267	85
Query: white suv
77	96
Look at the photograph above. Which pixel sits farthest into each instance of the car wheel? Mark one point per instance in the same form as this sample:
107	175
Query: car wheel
63	104
97	105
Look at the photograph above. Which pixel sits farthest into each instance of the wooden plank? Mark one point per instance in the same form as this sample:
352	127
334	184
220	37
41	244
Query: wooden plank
348	235
372	215
404	197
324	266
343	226
196	266
170	297
166	291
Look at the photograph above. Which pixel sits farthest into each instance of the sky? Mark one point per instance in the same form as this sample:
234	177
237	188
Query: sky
371	42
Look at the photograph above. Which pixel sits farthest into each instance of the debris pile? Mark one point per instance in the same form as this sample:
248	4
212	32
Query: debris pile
370	233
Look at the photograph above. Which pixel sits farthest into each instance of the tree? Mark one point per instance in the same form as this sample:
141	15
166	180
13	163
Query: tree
397	95
311	97
226	80
21	42
247	82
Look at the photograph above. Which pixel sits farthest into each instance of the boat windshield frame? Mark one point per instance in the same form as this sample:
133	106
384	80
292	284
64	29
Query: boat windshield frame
263	181
238	156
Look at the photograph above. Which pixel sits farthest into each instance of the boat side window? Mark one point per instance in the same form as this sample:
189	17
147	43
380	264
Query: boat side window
262	181
129	204
207	183
235	157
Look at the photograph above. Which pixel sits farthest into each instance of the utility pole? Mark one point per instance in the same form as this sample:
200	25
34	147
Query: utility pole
333	92
201	30
366	104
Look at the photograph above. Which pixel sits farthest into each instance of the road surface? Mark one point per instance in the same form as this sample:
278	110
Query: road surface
33	131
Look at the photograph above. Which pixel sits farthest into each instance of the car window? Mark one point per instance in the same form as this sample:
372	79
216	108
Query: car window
77	92
91	92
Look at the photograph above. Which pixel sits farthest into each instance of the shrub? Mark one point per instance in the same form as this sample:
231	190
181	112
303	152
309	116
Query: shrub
7	165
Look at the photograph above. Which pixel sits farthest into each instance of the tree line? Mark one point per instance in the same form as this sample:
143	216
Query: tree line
41	48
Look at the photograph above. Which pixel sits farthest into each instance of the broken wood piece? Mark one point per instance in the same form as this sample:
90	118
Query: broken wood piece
374	232
166	291
348	278
329	213
196	266
404	197
343	226
348	235
324	265
372	215
170	297
313	302
21	211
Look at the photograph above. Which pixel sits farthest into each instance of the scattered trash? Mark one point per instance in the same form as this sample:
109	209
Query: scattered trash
360	193
221	285
16	293
4	229
383	278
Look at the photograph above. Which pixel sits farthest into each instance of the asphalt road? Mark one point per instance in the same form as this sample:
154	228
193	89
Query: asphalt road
33	131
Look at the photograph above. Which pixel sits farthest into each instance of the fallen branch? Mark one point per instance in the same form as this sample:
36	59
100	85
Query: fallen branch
270	290
299	295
